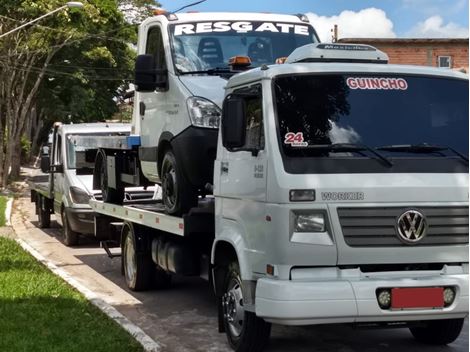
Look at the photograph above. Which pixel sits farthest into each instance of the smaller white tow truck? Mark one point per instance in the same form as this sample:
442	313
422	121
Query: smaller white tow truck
69	163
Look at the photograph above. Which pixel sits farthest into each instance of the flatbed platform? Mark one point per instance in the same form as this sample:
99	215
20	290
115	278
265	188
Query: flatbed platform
146	214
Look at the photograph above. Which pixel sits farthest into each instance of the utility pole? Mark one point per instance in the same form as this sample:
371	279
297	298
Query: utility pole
334	37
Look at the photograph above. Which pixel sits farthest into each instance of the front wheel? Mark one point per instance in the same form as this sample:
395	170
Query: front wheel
70	236
177	193
44	217
438	332
245	331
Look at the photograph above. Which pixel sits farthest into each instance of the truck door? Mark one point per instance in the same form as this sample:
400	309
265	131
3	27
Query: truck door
243	175
246	175
153	106
58	173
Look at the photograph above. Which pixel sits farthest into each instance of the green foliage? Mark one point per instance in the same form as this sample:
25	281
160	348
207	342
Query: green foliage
40	312
25	147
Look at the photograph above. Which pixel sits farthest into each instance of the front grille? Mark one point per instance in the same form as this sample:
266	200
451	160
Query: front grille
376	227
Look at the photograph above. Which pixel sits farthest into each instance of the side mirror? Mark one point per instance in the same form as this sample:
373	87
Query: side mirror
233	123
45	163
147	77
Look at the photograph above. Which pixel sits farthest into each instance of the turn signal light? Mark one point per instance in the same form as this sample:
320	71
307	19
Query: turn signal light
302	195
158	12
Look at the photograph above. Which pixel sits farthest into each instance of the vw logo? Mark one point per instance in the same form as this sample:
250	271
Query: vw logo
411	226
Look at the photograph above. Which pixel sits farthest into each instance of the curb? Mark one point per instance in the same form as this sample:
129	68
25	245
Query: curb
146	341
8	209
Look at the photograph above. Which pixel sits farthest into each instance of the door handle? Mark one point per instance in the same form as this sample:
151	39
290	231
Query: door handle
142	108
224	168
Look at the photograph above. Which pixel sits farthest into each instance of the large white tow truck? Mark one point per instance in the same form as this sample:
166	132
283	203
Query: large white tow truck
340	195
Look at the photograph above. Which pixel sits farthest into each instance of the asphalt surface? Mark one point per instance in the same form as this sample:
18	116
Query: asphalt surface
184	318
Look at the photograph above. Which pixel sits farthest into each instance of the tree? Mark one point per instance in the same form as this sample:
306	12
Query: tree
66	68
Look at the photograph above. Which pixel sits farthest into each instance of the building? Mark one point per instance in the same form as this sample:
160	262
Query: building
445	53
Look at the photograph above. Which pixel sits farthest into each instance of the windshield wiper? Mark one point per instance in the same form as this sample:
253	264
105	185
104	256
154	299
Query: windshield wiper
348	147
421	148
211	71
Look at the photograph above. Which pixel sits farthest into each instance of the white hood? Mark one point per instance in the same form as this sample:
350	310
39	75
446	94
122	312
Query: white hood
209	87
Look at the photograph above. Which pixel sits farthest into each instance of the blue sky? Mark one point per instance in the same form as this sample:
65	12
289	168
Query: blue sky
449	15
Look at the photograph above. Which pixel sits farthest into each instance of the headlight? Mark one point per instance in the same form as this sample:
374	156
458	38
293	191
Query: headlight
203	113
79	196
309	222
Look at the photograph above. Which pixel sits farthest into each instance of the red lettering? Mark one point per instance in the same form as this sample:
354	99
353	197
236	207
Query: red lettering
392	83
402	84
351	82
374	83
383	83
361	82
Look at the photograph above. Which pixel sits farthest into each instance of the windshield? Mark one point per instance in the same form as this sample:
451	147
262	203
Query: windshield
370	110
208	45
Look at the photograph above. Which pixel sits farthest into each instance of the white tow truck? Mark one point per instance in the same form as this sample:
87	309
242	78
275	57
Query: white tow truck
65	188
182	68
340	195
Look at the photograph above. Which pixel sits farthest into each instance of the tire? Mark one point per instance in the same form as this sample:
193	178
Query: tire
139	269
44	217
245	331
109	194
438	332
70	236
177	193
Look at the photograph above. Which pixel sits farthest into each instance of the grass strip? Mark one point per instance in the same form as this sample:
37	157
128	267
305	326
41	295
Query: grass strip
3	207
40	312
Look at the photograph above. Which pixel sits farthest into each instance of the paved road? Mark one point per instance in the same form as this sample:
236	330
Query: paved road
183	318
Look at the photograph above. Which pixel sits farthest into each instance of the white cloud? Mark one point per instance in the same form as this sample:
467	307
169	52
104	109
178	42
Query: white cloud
434	27
367	23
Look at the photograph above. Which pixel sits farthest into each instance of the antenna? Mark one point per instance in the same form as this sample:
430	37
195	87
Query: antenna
193	4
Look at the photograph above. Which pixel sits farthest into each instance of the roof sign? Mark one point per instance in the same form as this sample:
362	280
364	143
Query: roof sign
240	27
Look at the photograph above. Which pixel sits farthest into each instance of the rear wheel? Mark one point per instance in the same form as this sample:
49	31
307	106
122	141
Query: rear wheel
245	331
70	236
109	194
44	217
438	332
177	193
139	269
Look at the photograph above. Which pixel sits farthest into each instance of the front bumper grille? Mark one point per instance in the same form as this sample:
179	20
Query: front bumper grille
376	227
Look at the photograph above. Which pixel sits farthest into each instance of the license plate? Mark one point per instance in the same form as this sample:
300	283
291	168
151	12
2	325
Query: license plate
417	297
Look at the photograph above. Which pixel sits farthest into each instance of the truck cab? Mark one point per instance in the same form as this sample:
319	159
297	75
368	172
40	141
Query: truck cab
341	196
182	68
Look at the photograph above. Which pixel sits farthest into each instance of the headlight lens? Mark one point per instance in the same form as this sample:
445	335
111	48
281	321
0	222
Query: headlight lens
204	113
79	196
313	222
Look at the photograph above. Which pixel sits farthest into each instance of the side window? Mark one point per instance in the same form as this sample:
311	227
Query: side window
156	48
254	123
59	150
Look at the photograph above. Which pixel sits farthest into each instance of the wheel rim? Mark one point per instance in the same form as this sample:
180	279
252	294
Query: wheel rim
234	312
130	262
170	187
